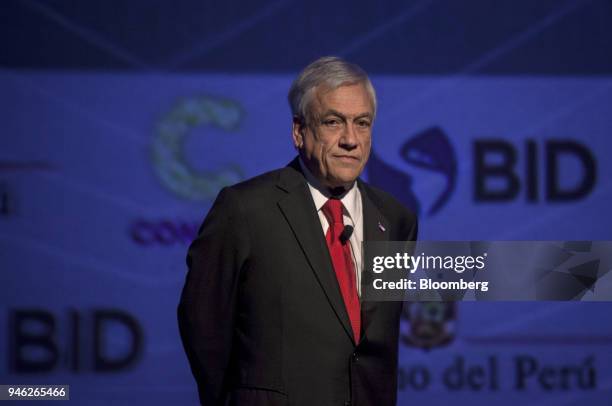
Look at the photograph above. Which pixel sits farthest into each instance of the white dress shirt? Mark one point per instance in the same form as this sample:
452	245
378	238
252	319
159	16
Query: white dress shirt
352	214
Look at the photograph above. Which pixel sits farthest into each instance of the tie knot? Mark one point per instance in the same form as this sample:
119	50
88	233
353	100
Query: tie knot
332	209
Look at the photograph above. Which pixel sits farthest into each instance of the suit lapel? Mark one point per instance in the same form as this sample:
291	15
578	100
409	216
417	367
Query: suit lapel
301	214
375	228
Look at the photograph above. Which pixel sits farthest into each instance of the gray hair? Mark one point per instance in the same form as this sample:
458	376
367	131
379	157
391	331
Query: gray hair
331	72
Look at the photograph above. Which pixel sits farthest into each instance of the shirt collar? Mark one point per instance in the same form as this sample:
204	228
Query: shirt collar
320	194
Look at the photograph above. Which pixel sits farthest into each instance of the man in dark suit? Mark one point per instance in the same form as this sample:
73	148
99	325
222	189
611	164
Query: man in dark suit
271	312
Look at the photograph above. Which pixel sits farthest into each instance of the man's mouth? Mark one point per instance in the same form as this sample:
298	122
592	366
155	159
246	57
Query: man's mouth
347	158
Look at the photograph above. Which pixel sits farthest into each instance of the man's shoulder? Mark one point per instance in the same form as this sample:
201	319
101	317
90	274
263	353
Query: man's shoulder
263	188
388	204
260	182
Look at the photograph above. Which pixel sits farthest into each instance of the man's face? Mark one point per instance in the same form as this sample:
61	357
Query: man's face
335	142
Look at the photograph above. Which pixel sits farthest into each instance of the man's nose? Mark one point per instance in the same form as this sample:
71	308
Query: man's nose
348	140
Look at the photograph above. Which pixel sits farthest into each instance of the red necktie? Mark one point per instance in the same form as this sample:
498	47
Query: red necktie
343	263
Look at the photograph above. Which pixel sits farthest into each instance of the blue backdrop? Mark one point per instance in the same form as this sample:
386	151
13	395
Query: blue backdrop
121	121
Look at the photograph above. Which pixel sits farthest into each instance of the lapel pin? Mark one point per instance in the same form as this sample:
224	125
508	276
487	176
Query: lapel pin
381	227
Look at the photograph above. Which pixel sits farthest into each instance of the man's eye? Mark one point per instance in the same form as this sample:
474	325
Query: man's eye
363	123
332	122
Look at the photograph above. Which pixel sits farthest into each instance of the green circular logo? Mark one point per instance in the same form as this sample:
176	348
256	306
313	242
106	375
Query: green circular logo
170	163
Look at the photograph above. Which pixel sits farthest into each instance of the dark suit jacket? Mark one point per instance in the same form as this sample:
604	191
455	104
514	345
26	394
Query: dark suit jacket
261	315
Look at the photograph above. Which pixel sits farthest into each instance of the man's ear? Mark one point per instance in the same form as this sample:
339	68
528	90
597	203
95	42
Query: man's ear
297	132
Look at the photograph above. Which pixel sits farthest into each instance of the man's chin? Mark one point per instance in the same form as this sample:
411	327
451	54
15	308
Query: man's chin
344	180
